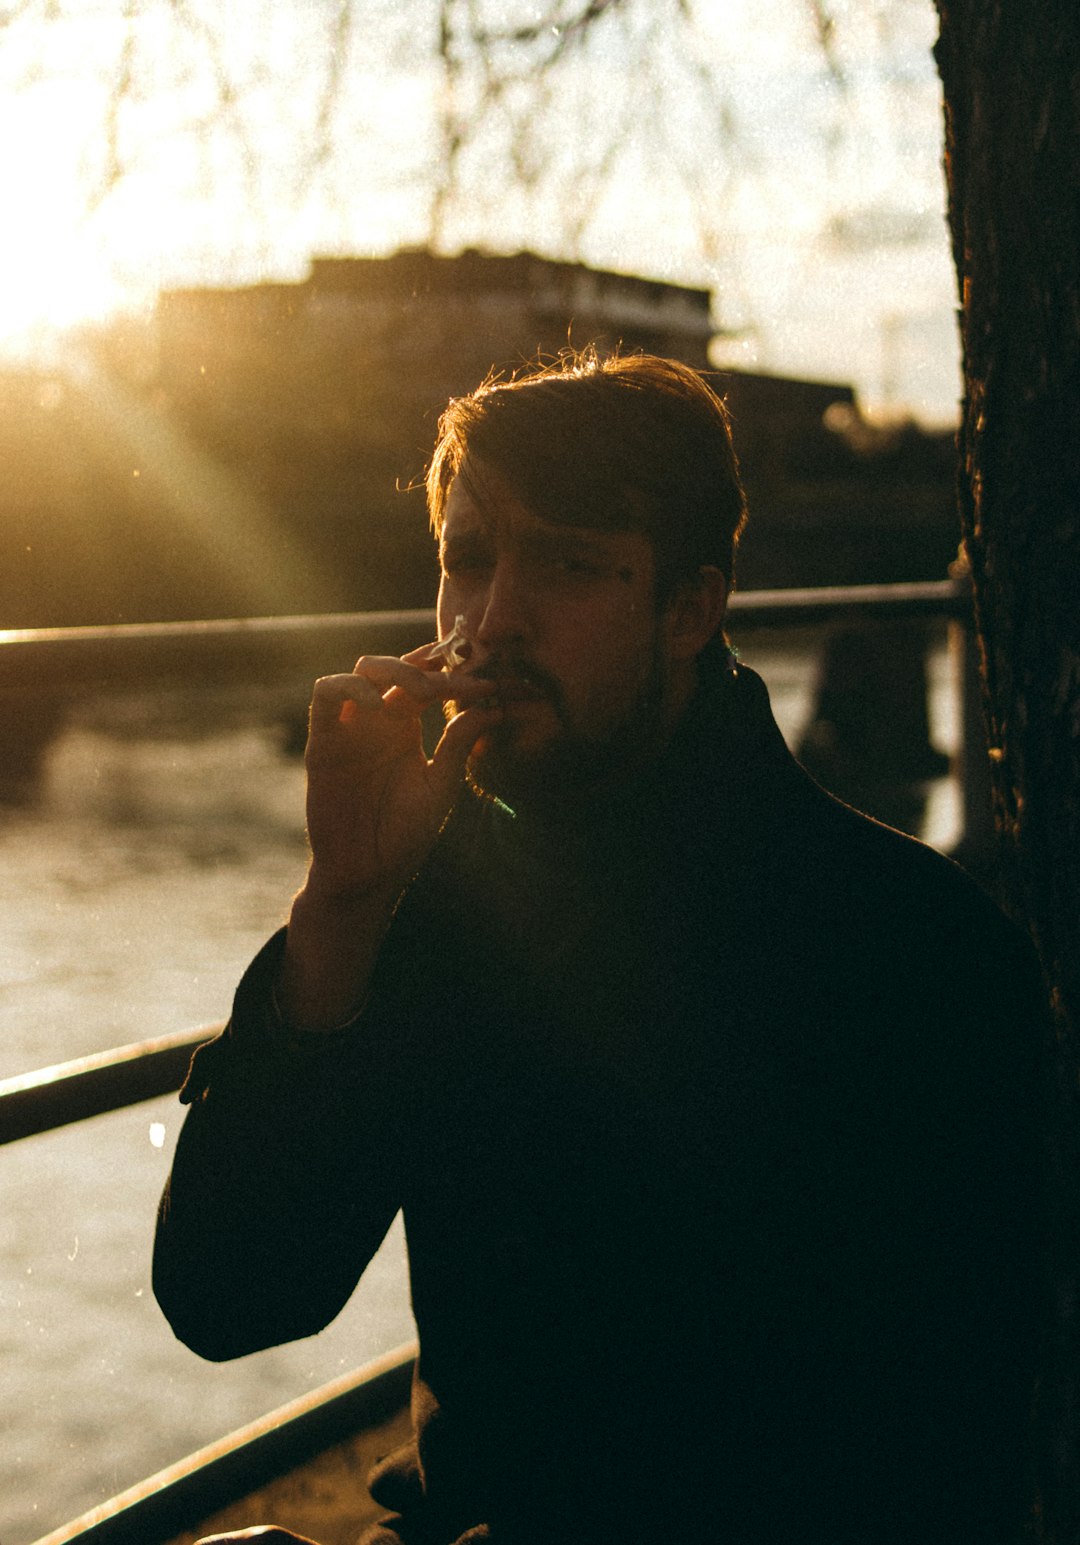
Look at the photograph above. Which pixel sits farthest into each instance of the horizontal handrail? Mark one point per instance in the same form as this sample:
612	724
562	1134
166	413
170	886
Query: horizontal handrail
826	603
230	651
91	1086
274	649
189	1492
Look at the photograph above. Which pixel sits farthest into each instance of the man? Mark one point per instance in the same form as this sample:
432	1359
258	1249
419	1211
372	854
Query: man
710	1103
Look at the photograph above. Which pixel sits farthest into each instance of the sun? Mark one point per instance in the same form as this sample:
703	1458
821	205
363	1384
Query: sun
54	272
47	290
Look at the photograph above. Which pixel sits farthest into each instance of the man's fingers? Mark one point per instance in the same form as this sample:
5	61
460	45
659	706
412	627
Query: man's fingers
384	681
386	671
429	657
333	694
457	742
377	682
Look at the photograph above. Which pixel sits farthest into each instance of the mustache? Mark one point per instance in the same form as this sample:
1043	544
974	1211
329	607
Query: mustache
511	671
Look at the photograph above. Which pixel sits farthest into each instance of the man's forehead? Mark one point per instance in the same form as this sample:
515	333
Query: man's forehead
471	505
485	506
480	497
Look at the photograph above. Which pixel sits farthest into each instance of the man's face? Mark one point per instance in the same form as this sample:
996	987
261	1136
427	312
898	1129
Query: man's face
563	622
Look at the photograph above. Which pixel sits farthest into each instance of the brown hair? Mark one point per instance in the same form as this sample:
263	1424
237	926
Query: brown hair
631	442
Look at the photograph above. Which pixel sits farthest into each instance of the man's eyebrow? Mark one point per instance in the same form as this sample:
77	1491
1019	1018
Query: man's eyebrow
543	541
458	542
566	539
577	544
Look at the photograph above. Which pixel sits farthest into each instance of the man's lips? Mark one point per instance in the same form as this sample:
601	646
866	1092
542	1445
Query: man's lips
504	688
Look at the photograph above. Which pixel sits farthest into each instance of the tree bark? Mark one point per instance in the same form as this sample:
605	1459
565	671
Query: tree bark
1010	70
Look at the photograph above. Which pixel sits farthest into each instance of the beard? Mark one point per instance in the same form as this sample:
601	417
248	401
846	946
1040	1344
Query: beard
577	759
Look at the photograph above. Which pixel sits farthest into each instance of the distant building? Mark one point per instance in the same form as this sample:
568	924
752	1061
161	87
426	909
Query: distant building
359	358
449	320
325	394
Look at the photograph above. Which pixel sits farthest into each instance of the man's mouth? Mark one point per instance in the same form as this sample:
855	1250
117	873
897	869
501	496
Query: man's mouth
508	689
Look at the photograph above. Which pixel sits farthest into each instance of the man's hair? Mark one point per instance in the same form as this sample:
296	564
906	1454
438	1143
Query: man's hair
628	443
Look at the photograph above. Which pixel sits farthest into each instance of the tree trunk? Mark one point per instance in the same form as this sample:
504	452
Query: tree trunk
1011	76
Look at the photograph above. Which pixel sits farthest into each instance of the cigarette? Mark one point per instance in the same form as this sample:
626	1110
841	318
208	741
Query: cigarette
454	649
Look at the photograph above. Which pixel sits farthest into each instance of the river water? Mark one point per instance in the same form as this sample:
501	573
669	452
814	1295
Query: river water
159	855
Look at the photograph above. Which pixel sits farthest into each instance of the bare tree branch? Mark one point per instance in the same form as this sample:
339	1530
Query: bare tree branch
14	13
337	58
118	98
554	22
825	30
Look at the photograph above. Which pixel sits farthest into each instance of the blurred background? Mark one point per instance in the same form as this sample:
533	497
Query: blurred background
249	252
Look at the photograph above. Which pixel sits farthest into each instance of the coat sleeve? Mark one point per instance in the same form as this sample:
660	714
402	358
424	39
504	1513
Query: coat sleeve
286	1177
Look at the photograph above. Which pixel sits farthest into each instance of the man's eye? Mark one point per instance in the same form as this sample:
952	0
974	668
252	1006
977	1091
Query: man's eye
571	566
462	563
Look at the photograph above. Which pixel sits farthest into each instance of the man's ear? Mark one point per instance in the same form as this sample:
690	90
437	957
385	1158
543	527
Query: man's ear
694	612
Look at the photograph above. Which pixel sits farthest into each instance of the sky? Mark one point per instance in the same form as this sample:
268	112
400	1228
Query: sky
800	182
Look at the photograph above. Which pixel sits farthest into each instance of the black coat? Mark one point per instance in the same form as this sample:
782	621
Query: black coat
713	1115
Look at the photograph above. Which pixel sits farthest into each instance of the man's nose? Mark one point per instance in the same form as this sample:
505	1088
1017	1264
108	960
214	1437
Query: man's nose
505	609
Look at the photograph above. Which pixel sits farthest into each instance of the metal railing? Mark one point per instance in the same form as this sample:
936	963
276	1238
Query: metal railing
185	1495
70	661
92	1086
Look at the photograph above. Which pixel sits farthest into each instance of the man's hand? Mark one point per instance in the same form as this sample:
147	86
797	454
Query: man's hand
375	802
375	805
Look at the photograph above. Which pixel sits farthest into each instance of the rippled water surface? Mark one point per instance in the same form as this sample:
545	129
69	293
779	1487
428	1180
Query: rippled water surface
132	894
